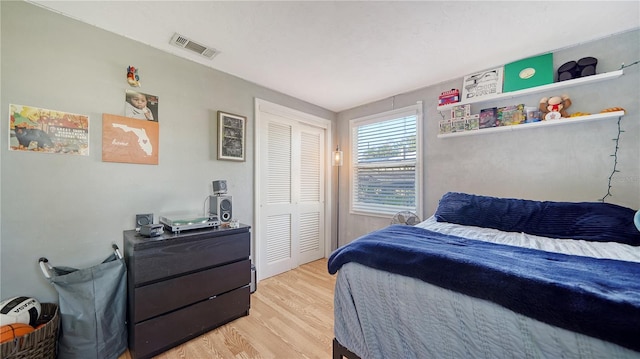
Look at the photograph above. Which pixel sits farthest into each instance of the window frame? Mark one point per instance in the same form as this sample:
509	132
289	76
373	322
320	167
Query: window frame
413	110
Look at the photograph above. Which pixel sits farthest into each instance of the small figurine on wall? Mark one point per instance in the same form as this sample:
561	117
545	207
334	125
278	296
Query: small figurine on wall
555	107
132	76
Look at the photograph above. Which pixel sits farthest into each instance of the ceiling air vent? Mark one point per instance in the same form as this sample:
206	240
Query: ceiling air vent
184	42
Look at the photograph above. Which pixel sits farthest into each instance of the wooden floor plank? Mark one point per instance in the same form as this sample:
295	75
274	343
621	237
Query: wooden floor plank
291	316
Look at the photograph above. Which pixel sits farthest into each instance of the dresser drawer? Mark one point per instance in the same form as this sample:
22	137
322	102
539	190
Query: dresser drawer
158	298
161	333
171	260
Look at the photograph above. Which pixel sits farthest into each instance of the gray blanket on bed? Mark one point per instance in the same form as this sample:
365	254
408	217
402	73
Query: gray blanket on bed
596	297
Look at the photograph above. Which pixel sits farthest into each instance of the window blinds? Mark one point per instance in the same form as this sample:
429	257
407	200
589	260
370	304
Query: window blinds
385	154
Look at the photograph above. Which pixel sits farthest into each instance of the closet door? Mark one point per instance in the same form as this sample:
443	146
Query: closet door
311	198
277	205
292	195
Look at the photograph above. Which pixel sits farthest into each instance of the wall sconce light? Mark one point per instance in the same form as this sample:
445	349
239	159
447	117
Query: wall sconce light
337	157
337	162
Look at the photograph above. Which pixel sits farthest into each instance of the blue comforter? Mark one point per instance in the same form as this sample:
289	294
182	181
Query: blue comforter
596	297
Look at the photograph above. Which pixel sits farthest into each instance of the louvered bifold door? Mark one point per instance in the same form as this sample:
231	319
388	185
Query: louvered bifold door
311	197
278	208
292	230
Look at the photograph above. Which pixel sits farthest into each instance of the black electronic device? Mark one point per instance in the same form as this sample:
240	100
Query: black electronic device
151	230
142	219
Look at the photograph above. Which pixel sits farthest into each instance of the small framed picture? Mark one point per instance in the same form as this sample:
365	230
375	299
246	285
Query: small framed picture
231	136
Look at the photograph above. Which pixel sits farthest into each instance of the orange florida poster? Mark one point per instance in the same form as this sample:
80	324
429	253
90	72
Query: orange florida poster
129	140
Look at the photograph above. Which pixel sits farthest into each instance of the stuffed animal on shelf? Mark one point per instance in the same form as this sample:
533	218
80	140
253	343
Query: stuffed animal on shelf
555	107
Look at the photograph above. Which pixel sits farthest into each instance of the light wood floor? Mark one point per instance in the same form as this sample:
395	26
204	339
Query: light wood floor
291	316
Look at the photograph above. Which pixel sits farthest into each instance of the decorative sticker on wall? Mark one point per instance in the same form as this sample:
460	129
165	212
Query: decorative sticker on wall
132	77
129	140
34	129
141	105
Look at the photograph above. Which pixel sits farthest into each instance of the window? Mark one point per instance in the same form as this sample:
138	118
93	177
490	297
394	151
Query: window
385	153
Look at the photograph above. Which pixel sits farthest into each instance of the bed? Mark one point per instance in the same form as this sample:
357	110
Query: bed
488	277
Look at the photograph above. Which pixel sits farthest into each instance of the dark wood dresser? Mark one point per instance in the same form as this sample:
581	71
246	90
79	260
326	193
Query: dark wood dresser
181	285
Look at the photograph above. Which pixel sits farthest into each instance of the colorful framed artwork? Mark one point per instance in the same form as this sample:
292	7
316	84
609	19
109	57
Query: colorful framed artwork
231	136
33	129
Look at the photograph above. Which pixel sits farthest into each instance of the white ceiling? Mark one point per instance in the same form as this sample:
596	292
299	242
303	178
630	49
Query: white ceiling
342	54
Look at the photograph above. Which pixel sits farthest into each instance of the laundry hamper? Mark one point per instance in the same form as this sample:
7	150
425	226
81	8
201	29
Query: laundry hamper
92	305
42	343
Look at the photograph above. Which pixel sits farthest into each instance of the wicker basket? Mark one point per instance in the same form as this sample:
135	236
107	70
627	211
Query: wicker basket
41	343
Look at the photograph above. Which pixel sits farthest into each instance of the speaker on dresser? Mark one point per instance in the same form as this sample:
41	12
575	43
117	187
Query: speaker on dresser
219	187
221	206
143	219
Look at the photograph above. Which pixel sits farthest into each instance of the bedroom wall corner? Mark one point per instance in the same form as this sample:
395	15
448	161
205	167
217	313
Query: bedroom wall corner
559	163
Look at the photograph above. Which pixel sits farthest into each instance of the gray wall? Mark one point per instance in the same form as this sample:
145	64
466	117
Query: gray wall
564	163
71	208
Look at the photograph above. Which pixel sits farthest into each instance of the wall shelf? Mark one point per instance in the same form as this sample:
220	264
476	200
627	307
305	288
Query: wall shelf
533	90
524	126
